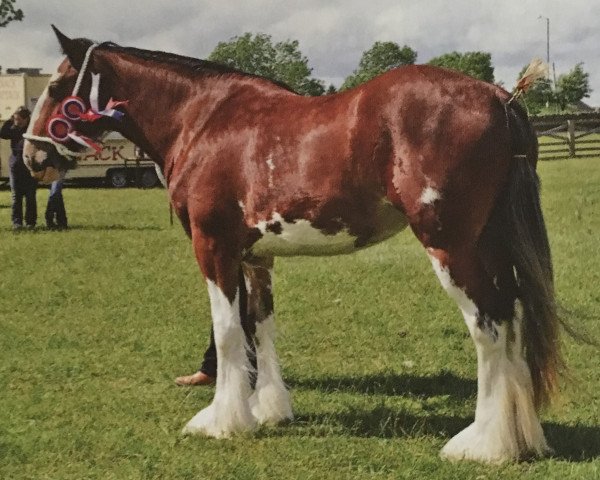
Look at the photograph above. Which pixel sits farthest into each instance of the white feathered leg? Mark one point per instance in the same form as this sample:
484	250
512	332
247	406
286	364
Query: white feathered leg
506	425
229	411
270	402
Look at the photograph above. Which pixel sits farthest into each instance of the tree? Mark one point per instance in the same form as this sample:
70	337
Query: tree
8	12
572	87
283	61
475	64
380	58
539	95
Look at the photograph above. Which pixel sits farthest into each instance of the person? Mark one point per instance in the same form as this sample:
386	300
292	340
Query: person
56	215
207	373
22	184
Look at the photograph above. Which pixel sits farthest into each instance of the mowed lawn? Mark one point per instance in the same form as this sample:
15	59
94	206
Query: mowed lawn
96	322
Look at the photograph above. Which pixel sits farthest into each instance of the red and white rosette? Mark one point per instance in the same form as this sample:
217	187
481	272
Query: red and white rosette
73	108
59	127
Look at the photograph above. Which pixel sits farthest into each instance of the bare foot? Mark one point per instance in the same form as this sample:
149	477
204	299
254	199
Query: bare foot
198	378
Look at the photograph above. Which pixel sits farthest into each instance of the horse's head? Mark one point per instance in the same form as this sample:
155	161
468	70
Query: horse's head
67	120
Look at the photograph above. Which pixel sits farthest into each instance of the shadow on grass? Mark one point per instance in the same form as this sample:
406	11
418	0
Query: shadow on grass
443	383
385	422
570	442
575	443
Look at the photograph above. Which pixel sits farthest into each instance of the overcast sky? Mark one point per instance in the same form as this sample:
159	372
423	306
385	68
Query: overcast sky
332	34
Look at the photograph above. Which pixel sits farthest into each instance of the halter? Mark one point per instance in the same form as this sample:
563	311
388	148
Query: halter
60	126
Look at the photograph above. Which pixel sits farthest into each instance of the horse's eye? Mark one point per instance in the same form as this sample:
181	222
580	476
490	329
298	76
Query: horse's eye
55	91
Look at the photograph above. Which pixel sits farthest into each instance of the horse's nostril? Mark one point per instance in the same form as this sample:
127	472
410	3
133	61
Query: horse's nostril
31	165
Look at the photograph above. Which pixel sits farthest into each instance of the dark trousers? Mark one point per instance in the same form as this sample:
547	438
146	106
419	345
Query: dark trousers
209	362
22	185
56	215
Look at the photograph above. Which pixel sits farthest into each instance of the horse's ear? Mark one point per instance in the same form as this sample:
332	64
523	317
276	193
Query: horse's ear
73	49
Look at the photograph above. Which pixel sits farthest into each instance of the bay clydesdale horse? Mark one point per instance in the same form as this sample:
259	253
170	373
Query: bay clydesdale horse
255	171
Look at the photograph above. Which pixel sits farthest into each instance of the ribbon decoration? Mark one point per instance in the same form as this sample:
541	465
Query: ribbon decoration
61	130
72	109
109	111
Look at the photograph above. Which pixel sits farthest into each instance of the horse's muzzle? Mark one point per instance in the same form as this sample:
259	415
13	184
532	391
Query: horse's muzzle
43	162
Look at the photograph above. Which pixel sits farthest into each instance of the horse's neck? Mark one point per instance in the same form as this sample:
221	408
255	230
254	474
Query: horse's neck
161	105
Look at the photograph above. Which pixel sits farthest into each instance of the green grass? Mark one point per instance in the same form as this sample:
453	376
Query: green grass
97	321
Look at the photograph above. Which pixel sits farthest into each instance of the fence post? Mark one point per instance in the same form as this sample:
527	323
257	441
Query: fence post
571	137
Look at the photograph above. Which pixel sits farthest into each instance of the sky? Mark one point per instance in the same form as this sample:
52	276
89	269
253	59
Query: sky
332	34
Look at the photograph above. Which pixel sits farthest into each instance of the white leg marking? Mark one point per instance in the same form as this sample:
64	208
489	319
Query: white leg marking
229	411
506	425
270	402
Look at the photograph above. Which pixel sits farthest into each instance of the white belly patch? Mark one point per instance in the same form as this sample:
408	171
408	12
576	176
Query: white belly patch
299	237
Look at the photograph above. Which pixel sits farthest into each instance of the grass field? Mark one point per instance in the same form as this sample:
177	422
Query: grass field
96	322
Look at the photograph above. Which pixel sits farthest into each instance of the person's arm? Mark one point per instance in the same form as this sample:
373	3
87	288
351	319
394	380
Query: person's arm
7	131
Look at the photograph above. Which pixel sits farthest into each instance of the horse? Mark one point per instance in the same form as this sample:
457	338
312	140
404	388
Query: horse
255	171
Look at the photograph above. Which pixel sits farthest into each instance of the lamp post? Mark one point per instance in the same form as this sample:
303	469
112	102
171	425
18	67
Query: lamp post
547	41
548	55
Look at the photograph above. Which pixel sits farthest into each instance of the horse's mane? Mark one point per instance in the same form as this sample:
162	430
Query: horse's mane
190	64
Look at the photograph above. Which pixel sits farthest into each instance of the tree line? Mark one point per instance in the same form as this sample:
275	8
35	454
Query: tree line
284	62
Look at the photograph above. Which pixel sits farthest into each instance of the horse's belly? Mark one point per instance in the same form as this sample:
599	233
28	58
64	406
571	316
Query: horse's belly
281	238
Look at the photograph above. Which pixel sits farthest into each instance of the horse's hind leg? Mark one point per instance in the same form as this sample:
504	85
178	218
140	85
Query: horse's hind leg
270	402
506	423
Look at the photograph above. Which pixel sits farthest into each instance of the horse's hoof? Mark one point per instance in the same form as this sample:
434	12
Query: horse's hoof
271	405
474	443
210	423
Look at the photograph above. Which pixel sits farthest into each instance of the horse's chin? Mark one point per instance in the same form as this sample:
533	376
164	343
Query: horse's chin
48	175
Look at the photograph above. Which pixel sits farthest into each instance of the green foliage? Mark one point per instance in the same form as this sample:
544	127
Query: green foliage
572	87
539	96
475	64
9	13
380	58
95	323
258	55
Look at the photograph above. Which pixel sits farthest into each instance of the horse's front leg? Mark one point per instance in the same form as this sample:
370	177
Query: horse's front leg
229	412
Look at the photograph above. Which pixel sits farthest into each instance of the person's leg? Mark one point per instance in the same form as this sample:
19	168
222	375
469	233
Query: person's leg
209	361
207	373
17	200
61	213
51	208
30	201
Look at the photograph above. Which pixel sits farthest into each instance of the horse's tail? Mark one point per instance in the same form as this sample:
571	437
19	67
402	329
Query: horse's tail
524	236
